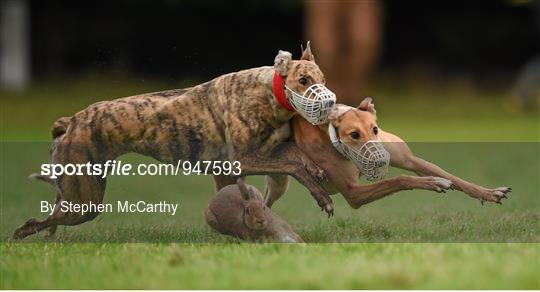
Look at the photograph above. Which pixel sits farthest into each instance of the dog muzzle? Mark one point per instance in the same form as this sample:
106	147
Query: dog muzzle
371	158
315	104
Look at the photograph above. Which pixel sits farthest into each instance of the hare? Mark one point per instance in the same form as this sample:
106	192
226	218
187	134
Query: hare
238	210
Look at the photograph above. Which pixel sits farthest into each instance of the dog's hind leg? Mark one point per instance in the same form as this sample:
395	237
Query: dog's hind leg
221	181
276	186
74	189
52	229
32	225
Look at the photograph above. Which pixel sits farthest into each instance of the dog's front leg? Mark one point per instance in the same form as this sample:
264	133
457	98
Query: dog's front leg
276	186
358	195
402	157
287	159
273	156
423	168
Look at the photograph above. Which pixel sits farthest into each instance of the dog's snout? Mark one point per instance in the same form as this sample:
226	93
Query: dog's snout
380	163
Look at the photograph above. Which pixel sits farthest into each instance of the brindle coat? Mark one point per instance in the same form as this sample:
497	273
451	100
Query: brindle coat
232	117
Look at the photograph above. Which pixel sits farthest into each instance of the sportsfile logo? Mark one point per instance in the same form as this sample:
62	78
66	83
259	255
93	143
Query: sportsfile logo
114	167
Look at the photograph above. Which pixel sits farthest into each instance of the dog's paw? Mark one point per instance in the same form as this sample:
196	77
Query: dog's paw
26	229
326	205
492	195
434	183
315	171
329	209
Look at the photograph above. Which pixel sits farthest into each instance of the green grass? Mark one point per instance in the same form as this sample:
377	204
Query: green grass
270	266
414	239
421	112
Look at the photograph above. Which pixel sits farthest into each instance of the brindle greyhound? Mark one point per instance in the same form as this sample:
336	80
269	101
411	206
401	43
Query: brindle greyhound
356	126
233	117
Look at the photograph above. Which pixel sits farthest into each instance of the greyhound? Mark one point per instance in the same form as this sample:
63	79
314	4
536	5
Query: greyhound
354	127
235	117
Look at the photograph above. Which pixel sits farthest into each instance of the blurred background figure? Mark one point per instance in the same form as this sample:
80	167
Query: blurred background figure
14	44
527	87
391	50
347	37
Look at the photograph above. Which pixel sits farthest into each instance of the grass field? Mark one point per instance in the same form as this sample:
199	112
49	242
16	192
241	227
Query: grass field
415	239
270	266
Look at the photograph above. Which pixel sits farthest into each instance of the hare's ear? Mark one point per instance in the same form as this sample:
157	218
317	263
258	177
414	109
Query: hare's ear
244	190
367	105
282	62
306	54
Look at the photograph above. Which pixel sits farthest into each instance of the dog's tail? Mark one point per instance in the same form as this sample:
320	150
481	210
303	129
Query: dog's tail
60	127
43	178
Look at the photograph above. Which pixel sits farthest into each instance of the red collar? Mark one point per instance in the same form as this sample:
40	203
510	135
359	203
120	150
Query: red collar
279	92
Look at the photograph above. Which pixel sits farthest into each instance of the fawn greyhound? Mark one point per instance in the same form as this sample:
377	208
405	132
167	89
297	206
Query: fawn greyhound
356	126
232	117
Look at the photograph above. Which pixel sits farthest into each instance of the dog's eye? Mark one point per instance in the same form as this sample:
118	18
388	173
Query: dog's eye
375	130
303	81
355	135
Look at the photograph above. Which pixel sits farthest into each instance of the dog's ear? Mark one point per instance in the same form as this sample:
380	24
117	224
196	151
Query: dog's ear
336	112
306	54
367	105
282	62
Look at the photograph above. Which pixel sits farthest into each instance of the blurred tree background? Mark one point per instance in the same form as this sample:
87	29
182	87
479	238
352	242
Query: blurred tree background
201	39
433	51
